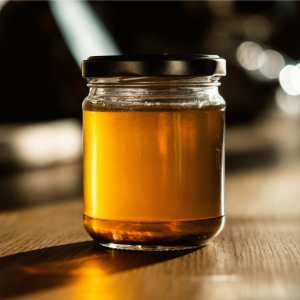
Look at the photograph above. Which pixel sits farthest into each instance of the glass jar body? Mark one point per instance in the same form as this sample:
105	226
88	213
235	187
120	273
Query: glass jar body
153	165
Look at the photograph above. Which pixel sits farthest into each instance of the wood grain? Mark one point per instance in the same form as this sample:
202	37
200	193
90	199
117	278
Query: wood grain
256	257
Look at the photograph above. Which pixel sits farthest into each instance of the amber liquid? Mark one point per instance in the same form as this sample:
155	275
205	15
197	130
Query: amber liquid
153	177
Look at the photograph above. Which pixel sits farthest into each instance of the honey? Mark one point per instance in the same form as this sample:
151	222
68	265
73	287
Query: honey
154	176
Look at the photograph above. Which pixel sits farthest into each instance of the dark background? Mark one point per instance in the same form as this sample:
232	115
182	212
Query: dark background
41	80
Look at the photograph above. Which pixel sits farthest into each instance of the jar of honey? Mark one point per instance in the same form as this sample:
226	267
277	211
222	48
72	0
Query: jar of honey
153	151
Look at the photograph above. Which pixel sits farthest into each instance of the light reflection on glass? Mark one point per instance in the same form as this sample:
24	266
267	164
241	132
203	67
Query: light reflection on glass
250	55
271	63
289	79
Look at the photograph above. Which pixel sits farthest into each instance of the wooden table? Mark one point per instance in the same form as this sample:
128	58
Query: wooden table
46	254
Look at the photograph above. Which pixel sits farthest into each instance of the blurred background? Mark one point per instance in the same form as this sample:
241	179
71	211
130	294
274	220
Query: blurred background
43	43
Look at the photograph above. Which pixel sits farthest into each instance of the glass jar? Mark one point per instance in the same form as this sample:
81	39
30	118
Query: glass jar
153	151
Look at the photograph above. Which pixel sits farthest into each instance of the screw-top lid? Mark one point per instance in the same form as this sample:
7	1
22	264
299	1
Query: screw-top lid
154	65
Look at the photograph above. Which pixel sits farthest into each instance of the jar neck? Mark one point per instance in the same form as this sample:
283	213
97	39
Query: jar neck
152	88
142	93
163	81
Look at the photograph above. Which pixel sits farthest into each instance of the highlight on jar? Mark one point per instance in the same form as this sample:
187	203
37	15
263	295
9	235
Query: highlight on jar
153	151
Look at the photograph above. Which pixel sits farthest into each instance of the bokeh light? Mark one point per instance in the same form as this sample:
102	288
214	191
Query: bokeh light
287	103
221	9
289	79
40	145
250	55
258	27
295	77
272	62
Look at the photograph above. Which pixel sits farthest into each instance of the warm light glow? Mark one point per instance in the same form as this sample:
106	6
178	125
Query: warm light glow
273	63
289	79
2	3
258	28
45	144
221	9
93	279
250	55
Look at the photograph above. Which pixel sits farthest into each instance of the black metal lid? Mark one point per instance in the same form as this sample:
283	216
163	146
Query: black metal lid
154	65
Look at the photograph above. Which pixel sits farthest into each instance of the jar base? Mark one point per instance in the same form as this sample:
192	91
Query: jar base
154	236
149	247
